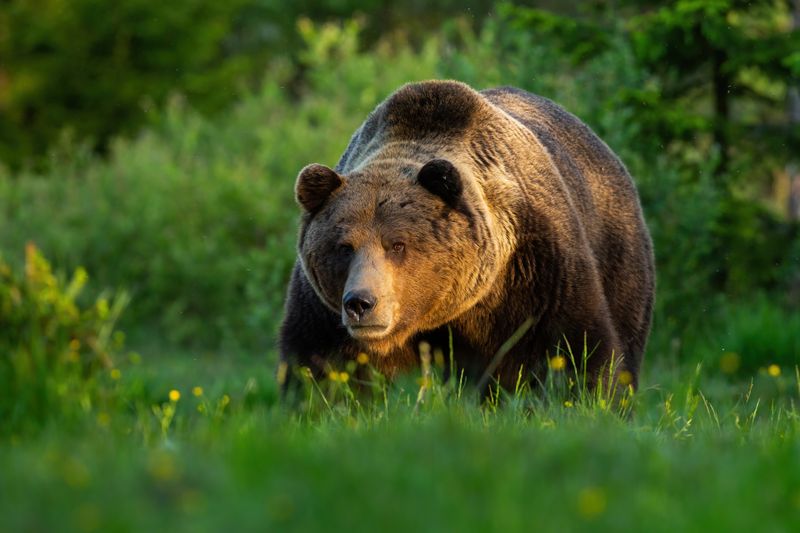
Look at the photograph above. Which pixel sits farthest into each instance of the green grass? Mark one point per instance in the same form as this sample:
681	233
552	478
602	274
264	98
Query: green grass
699	453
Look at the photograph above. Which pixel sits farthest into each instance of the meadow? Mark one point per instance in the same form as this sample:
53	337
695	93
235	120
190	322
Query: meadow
141	290
198	444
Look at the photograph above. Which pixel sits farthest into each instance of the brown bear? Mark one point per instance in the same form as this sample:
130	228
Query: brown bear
455	217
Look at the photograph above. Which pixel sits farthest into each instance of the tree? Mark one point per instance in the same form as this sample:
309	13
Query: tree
723	67
89	66
793	105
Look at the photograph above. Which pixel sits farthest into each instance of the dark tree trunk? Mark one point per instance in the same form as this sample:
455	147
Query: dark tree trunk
721	86
793	104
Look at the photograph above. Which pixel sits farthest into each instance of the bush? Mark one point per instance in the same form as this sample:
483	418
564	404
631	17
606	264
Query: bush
196	217
754	336
51	346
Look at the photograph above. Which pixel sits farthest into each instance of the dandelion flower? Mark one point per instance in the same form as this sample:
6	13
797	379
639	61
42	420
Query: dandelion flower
174	395
625	378
197	391
343	377
115	374
362	358
774	370
333	375
558	363
568	403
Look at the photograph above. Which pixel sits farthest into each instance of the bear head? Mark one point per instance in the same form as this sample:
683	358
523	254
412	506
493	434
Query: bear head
396	247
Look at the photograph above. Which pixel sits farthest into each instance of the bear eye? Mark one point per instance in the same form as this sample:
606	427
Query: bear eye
398	247
344	248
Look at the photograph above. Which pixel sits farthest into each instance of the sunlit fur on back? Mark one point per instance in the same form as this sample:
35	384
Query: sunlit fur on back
464	212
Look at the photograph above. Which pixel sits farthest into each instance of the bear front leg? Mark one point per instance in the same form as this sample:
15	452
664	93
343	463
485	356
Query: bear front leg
597	353
311	335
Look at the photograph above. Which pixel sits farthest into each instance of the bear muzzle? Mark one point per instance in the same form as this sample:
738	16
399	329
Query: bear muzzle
358	304
359	316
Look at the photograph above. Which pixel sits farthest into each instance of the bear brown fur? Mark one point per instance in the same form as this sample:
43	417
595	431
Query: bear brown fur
455	217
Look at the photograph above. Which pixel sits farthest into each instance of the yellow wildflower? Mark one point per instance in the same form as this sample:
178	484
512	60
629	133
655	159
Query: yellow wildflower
103	419
558	363
592	502
729	362
115	374
567	403
333	375
362	358
174	395
162	466
197	391
438	358
343	377
625	378
75	473
774	370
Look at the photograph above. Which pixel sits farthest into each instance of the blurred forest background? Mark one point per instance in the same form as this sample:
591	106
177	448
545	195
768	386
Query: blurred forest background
156	145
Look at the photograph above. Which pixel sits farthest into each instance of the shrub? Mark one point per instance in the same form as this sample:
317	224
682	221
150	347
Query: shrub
753	336
51	345
196	217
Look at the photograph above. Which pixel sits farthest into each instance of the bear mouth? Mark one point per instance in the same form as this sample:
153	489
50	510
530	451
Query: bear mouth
365	332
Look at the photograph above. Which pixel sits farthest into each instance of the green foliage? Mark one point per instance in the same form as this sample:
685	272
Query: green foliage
750	337
64	73
574	38
85	71
196	217
51	346
710	75
724	85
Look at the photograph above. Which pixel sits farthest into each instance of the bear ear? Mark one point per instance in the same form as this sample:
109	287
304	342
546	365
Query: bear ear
315	183
441	178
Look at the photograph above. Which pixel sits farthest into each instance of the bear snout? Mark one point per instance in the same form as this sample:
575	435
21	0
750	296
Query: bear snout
358	305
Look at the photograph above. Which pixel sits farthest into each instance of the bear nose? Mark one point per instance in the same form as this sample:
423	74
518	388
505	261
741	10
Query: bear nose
357	304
